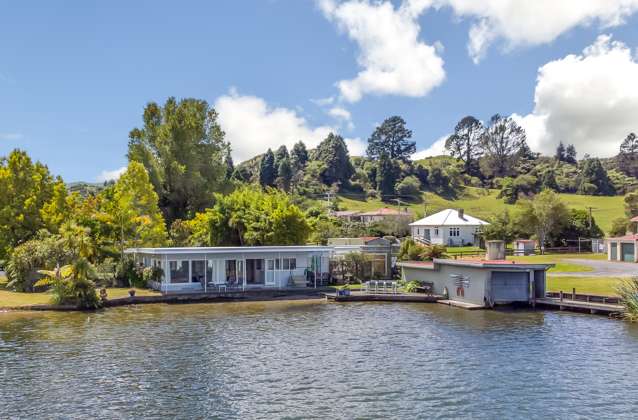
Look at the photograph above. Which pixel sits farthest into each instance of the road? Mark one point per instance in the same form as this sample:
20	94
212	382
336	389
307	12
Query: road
601	268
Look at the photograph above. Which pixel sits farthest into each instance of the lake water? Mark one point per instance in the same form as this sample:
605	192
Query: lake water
311	359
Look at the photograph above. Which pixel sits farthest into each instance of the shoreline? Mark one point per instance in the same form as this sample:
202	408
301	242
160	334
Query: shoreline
187	298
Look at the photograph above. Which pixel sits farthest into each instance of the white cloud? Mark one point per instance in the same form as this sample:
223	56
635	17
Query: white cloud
533	22
342	115
436	149
110	175
356	146
392	58
11	136
590	100
323	101
252	126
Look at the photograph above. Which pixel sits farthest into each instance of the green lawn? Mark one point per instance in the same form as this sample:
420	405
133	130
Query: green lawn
15	299
563	265
484	203
588	285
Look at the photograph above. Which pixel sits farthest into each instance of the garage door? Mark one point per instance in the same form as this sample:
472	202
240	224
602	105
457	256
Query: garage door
510	286
627	252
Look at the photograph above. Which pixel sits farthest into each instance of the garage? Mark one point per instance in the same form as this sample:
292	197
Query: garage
613	252
508	286
627	252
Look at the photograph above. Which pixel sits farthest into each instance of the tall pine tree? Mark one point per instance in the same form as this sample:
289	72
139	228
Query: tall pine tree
393	139
267	170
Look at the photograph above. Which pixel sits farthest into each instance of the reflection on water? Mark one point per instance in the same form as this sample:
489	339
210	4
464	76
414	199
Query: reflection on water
312	359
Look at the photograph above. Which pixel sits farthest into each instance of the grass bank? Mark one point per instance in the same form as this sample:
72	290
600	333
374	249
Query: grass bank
562	261
9	299
605	286
484	203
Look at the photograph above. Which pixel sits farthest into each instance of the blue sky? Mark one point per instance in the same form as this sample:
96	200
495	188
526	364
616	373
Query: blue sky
75	75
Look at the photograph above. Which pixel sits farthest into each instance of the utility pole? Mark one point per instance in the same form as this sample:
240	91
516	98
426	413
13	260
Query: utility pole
399	202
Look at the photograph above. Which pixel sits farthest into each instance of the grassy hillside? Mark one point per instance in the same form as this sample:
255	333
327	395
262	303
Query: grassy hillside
483	203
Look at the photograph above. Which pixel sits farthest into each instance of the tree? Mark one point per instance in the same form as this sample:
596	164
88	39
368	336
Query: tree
410	186
182	147
628	156
500	228
542	215
249	216
133	210
267	170
548	180
333	152
465	143
58	209
560	152
280	154
631	204
284	172
25	188
619	227
578	225
387	174
230	166
593	173
298	156
391	138
570	155
502	140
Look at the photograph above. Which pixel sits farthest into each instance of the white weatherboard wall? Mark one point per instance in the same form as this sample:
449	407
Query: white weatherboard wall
442	278
449	227
217	262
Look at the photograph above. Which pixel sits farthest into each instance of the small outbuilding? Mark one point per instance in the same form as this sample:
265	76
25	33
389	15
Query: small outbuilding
524	247
449	227
623	248
379	252
480	282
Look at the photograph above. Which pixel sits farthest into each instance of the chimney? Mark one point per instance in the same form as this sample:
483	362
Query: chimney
461	213
495	250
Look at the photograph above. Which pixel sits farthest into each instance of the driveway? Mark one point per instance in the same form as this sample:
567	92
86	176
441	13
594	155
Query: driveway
602	268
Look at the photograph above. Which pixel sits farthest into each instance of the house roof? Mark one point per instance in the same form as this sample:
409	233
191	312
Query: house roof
449	217
632	237
510	264
345	213
386	211
229	249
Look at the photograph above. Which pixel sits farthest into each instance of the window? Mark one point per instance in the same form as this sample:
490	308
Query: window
277	264
179	271
289	263
436	231
418	232
197	271
454	231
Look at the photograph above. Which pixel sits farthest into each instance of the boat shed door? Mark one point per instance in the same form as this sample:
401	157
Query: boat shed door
627	252
510	286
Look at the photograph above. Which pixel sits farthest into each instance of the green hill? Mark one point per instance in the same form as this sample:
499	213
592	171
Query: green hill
483	204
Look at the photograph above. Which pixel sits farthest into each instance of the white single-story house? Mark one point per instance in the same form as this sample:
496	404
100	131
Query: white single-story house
448	227
480	282
623	248
195	269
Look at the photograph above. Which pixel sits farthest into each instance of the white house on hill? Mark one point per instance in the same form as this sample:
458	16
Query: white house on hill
449	227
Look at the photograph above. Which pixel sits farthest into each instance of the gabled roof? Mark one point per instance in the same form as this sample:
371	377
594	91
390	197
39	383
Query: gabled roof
386	211
449	217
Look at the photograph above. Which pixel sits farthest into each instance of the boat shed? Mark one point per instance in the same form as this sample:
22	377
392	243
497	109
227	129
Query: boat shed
480	282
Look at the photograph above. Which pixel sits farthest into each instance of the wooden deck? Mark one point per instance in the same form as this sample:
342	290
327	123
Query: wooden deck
458	304
383	297
580	306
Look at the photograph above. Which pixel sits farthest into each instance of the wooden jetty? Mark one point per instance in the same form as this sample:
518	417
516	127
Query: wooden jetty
580	306
357	296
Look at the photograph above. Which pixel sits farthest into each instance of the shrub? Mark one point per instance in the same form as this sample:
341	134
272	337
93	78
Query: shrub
409	186
433	251
628	291
150	274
